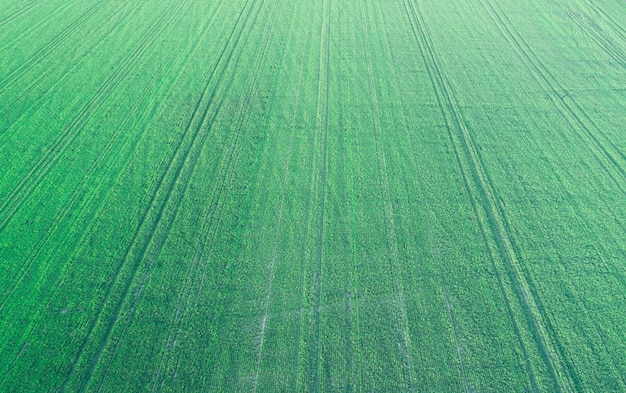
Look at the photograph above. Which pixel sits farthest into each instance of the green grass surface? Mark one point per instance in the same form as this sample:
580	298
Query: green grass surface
304	196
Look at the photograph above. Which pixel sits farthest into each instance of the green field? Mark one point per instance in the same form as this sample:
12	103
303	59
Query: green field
313	196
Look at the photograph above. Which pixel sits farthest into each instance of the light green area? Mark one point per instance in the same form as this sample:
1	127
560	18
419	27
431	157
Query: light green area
303	196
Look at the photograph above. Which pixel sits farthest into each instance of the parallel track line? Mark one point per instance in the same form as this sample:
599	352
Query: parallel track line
89	52
24	33
214	213
193	149
464	146
403	330
86	179
297	343
12	76
321	126
32	179
168	15
604	150
75	193
18	12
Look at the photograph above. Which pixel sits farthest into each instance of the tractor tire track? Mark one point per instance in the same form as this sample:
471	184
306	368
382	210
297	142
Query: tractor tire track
12	76
348	281
225	178
152	234
69	67
303	260
604	151
203	239
218	203
214	213
608	155
464	146
617	27
18	12
428	214
608	45
32	179
401	317
169	181
571	286
223	188
445	100
24	33
209	231
75	194
322	123
253	95
85	180
429	217
171	15
305	248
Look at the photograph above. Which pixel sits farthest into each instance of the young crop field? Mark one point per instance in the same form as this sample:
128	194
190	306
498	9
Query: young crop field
313	196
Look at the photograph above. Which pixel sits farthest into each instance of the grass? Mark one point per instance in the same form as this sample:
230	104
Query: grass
262	195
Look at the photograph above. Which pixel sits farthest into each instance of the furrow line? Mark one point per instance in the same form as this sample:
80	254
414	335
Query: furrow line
50	17
83	241
347	285
584	21
166	65
534	387
273	261
196	299
12	76
146	213
253	94
403	329
211	224
204	233
463	140
428	56
267	35
603	149
609	46
76	192
252	89
218	202
224	186
72	200
89	230
86	54
215	215
571	286
155	219
321	126
572	114
32	179
193	149
426	207
208	231
18	12
306	220
614	25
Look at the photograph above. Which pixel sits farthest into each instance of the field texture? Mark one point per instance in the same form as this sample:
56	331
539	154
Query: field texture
313	196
